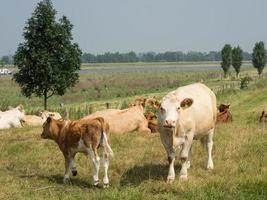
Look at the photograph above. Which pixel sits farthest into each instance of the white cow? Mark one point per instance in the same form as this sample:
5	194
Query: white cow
11	118
185	114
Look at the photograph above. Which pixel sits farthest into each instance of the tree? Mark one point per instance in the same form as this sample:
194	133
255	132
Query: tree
237	57
259	57
226	58
47	61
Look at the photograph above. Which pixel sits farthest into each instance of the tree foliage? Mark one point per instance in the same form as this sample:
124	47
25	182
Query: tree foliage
259	57
237	57
226	58
47	60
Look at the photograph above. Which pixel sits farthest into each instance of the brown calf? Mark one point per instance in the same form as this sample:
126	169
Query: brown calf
80	136
224	114
152	122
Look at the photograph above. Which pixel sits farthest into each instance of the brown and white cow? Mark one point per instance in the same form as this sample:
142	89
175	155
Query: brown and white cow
263	117
80	136
185	114
224	115
124	121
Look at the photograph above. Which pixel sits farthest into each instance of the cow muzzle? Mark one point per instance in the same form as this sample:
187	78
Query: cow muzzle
169	124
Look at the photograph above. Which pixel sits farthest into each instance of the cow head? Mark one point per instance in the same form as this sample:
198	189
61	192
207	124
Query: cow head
48	129
20	112
171	109
223	107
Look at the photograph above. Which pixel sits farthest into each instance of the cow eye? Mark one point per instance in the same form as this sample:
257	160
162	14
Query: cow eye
178	108
162	109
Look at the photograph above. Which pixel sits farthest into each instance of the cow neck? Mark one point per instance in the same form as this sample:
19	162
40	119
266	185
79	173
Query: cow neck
62	131
139	108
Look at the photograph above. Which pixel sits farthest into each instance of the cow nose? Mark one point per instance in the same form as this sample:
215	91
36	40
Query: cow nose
169	122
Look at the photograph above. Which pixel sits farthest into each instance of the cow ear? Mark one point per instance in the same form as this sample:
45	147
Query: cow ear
20	108
49	119
187	102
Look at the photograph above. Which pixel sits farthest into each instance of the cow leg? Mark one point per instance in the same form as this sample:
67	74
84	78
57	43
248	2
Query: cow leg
185	155
168	145
209	145
73	166
106	165
66	178
96	164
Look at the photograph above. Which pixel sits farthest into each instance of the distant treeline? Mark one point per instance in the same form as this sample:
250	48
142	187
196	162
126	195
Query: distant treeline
169	56
155	57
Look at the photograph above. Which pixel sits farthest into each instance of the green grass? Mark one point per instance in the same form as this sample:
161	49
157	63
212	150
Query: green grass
32	168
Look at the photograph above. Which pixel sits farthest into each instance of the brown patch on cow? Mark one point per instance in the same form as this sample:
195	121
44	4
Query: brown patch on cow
186	103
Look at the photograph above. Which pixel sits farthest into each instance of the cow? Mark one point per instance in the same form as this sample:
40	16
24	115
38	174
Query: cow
263	117
45	114
124	121
12	117
152	122
224	114
185	114
32	120
80	136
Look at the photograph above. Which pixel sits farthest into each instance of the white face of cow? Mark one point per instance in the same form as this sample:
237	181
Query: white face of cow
170	111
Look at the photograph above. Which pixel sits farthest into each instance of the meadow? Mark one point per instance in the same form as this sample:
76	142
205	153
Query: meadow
32	168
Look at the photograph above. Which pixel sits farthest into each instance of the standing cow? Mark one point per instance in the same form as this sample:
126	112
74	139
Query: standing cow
185	114
80	136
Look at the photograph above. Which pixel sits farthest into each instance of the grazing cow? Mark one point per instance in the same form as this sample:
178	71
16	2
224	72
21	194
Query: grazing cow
124	121
152	122
224	114
11	118
263	117
45	114
32	120
185	114
80	136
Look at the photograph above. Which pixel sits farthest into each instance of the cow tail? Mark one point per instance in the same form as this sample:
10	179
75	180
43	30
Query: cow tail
104	138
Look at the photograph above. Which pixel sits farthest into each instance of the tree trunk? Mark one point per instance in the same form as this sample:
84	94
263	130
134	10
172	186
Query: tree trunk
45	99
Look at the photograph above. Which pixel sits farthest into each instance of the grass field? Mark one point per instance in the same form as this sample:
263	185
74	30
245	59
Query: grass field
32	168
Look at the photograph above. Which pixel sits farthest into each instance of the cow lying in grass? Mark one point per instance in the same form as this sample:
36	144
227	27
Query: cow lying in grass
32	120
11	118
224	114
80	136
152	122
45	114
124	121
185	114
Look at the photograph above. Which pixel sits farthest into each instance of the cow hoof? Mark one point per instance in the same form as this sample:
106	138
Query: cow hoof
170	180
66	181
74	172
105	185
183	178
96	183
210	167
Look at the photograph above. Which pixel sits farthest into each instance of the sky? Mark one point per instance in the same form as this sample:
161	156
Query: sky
146	25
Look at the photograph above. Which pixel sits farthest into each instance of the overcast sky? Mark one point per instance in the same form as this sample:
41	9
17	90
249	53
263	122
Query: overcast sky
146	25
